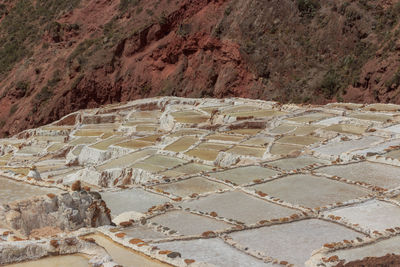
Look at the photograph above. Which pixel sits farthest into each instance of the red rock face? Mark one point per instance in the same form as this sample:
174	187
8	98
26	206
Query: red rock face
103	52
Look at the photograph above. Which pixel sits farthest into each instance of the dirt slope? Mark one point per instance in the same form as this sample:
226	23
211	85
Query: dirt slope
59	56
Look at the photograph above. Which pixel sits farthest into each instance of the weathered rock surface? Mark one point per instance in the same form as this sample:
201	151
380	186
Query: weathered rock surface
66	211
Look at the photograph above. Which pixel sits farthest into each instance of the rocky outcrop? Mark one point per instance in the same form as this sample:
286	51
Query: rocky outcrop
13	252
66	211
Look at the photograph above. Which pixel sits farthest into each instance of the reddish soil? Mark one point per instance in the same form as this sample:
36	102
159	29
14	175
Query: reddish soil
102	53
390	260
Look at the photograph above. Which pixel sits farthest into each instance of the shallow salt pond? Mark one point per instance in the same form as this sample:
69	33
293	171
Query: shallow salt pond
59	261
214	251
310	191
244	175
11	190
125	256
182	144
198	185
294	242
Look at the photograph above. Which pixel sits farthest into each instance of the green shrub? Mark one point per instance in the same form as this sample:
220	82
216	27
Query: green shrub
76	82
55	79
22	86
125	4
13	109
395	80
308	8
20	30
44	94
330	83
183	30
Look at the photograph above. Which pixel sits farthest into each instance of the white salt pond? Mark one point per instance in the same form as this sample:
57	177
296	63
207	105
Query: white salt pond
11	190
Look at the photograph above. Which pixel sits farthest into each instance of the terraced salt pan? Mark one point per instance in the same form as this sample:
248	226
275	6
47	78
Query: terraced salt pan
125	256
238	108
337	148
49	138
373	117
332	121
90	133
305	130
187	169
382	107
103	145
148	167
347	128
147	128
310	191
378	249
246	208
312	117
11	190
284	149
224	137
163	161
143	232
59	261
182	144
126	160
138	115
244	175
189	117
257	113
134	199
189	224
299	140
377	149
371	215
247	151
196	185
347	106
185	132
213	251
135	144
393	129
207	151
395	154
31	150
289	164
17	170
293	242
283	128
83	141
193	168
260	141
245	131
381	175
55	147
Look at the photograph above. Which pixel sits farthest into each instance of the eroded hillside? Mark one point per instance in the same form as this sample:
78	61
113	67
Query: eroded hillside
57	57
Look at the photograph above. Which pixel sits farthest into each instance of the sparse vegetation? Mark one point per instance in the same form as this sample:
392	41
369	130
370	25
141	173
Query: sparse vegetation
125	4
330	83
394	82
308	8
23	26
13	109
183	30
44	94
22	86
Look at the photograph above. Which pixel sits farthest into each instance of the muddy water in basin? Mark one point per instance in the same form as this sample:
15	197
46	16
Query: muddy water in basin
125	256
59	261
